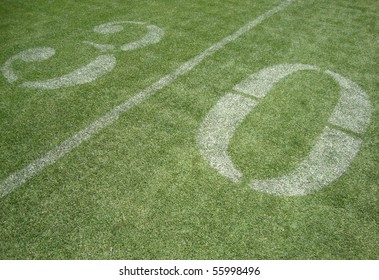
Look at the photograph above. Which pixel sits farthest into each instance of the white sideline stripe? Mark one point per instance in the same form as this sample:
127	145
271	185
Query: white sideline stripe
19	177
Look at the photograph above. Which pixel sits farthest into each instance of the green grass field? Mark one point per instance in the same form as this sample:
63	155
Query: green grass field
141	187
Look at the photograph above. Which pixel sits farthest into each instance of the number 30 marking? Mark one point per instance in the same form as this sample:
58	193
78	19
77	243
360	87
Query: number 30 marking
329	158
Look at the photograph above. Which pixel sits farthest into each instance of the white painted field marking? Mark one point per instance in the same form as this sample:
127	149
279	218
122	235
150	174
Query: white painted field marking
326	162
30	55
153	36
17	178
217	130
90	72
86	74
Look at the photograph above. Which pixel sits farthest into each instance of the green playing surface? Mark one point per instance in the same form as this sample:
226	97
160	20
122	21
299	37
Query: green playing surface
189	129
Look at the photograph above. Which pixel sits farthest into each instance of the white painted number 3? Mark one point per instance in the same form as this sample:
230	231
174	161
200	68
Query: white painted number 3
326	162
103	64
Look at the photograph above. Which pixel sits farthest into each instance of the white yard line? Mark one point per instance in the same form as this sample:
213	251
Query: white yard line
19	177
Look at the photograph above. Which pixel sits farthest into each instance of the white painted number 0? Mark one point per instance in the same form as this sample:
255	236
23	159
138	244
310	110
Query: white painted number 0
328	159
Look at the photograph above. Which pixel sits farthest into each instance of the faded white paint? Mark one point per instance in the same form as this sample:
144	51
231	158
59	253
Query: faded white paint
260	84
100	47
86	74
218	128
329	158
154	34
29	55
114	26
353	110
19	177
327	161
